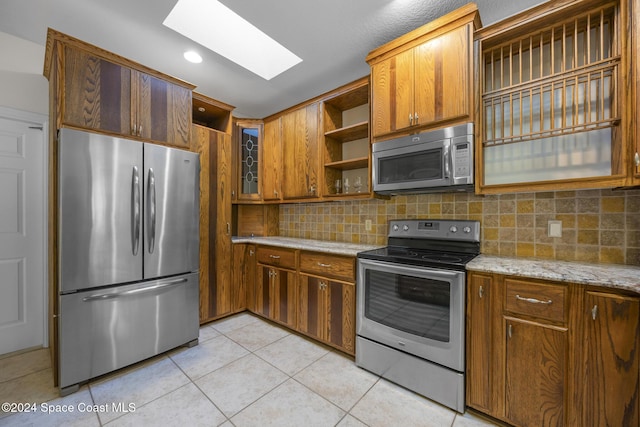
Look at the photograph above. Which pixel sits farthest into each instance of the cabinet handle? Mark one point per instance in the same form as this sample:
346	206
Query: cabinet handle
312	189
510	330
140	130
533	300
637	159
228	228
323	285
594	312
274	256
275	193
134	131
410	119
324	265
251	252
233	194
481	292
416	118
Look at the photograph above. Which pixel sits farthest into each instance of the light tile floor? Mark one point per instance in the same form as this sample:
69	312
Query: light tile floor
244	372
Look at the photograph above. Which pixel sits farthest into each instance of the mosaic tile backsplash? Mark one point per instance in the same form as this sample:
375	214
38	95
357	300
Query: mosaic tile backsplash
597	225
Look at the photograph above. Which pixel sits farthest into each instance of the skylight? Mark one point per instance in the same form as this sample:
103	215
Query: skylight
218	28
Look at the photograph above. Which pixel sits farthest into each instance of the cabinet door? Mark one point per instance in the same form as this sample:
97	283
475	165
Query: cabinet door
284	296
97	93
163	110
272	163
263	291
536	358
612	352
301	153
480	372
341	316
215	226
249	151
243	277
441	77
312	310
392	93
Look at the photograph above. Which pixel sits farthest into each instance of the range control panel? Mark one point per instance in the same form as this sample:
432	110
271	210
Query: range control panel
438	229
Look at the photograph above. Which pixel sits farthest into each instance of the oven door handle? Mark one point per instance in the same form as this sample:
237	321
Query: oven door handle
404	269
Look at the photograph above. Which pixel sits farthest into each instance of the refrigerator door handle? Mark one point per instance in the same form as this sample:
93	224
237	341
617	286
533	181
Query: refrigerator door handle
152	210
157	286
135	209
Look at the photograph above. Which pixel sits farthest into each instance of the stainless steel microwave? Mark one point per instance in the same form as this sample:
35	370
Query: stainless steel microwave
434	161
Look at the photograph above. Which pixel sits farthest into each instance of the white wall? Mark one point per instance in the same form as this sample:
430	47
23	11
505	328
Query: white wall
22	85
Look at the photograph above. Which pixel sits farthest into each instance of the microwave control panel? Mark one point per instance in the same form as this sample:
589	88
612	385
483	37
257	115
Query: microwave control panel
462	160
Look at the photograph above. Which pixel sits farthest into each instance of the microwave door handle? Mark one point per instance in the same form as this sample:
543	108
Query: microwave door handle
447	164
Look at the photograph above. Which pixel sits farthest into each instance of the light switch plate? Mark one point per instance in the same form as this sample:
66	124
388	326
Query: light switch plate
554	228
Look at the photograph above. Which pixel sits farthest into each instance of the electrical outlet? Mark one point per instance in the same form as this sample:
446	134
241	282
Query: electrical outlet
367	225
554	228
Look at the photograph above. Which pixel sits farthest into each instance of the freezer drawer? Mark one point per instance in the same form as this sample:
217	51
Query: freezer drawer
106	329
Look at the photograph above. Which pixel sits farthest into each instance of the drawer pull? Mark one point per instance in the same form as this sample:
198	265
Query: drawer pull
274	256
510	330
533	300
324	265
481	292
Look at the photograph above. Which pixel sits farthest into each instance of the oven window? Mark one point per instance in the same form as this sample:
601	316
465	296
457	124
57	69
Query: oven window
419	166
416	305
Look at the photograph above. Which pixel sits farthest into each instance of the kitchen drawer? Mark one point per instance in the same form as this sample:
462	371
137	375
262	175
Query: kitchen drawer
334	266
541	300
279	257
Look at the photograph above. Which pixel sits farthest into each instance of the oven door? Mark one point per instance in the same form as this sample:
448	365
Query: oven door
417	310
412	167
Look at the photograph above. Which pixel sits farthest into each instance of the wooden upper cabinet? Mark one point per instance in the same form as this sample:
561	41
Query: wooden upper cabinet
272	163
104	92
301	163
423	79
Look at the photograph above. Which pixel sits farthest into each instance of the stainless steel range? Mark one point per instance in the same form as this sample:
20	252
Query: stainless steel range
411	306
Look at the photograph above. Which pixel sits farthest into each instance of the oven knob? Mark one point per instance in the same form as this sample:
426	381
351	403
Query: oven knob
396	228
405	227
467	229
453	229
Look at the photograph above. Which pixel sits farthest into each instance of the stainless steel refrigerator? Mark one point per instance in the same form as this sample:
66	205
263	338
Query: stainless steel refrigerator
128	253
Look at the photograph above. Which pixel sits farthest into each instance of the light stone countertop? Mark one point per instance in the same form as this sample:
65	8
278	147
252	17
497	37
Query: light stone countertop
337	248
615	276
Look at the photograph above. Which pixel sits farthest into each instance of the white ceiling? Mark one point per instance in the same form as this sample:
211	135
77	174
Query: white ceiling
331	36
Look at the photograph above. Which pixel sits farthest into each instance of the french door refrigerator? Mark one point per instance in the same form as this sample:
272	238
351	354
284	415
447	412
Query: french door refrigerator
128	253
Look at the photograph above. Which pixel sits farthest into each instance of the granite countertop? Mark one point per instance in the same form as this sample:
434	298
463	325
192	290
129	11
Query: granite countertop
624	277
338	248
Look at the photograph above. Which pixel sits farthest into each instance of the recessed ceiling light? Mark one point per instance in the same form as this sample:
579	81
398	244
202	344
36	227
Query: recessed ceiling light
192	56
216	27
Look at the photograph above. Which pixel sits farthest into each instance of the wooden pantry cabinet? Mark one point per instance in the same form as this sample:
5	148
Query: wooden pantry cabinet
104	92
424	78
551	353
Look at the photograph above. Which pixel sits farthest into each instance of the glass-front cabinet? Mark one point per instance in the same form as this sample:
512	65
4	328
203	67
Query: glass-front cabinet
551	106
248	135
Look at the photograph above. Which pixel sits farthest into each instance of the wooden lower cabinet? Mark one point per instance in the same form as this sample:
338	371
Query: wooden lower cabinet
275	294
573	361
535	380
611	356
243	277
326	311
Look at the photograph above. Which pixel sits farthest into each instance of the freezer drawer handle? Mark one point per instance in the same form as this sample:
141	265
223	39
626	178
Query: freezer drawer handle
152	210
135	209
135	291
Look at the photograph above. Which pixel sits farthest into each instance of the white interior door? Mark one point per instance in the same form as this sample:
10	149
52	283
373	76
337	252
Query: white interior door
22	230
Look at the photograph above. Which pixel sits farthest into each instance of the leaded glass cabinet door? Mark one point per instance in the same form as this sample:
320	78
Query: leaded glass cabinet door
249	160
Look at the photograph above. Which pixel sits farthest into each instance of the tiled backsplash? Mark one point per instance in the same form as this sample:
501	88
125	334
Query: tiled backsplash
597	225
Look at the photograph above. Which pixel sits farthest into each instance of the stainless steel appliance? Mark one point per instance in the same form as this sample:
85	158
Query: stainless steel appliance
128	253
411	306
438	160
